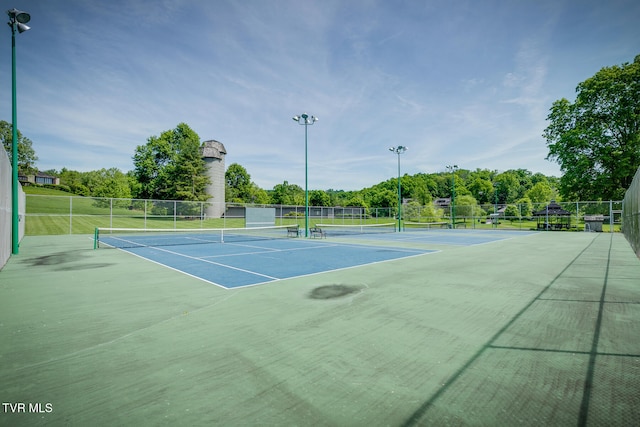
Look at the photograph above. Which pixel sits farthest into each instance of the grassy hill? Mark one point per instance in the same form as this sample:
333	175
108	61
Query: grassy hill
36	189
51	211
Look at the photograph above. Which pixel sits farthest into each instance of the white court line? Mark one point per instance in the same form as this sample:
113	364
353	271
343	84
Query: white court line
415	252
212	262
336	269
270	250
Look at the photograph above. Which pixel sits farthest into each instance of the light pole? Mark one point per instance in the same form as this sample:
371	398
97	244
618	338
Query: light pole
17	21
453	170
495	205
306	120
399	150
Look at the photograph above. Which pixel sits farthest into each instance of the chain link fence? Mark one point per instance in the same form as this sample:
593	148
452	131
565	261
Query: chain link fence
631	214
81	215
577	216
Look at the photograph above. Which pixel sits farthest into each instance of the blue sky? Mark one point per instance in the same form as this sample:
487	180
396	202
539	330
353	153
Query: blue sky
459	82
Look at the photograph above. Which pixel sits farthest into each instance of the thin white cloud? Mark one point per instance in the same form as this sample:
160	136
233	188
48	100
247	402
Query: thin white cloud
466	84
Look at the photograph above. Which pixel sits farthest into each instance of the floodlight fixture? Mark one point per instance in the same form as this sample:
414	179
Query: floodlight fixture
22	27
18	16
305	119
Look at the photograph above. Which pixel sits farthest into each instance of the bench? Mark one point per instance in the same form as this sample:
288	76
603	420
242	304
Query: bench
293	231
317	231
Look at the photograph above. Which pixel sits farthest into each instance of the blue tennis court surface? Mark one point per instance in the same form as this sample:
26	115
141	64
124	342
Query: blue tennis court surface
457	237
239	264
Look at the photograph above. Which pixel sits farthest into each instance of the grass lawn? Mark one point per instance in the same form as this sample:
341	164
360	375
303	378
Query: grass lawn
50	211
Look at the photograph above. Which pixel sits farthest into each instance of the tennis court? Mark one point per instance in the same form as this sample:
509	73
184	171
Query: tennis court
505	329
247	257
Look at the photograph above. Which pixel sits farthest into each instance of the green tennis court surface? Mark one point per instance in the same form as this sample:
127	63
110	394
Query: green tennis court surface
537	329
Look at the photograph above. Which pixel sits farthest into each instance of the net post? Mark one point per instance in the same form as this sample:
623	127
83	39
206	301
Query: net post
95	239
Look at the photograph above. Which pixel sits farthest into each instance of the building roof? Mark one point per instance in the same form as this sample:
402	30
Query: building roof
37	173
552	209
442	202
213	149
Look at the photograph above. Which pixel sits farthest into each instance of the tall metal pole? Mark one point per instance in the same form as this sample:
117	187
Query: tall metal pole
17	21
399	150
399	196
495	206
306	120
15	227
453	194
306	183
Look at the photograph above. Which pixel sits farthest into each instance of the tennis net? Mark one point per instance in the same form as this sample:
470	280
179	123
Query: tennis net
417	226
136	237
348	229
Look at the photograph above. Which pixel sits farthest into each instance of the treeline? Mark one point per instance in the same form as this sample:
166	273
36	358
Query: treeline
472	187
480	186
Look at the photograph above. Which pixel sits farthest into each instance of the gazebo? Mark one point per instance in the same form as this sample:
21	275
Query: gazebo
553	217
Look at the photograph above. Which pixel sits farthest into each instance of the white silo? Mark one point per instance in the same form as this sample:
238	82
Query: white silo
213	153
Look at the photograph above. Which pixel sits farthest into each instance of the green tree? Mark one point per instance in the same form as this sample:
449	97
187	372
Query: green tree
356	200
525	181
507	186
319	198
134	185
596	139
189	177
341	197
26	154
238	184
108	184
287	194
467	207
540	193
258	195
170	167
422	196
411	211
526	207
111	183
430	213
383	199
481	189
420	190
512	212
442	185
74	181
410	186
